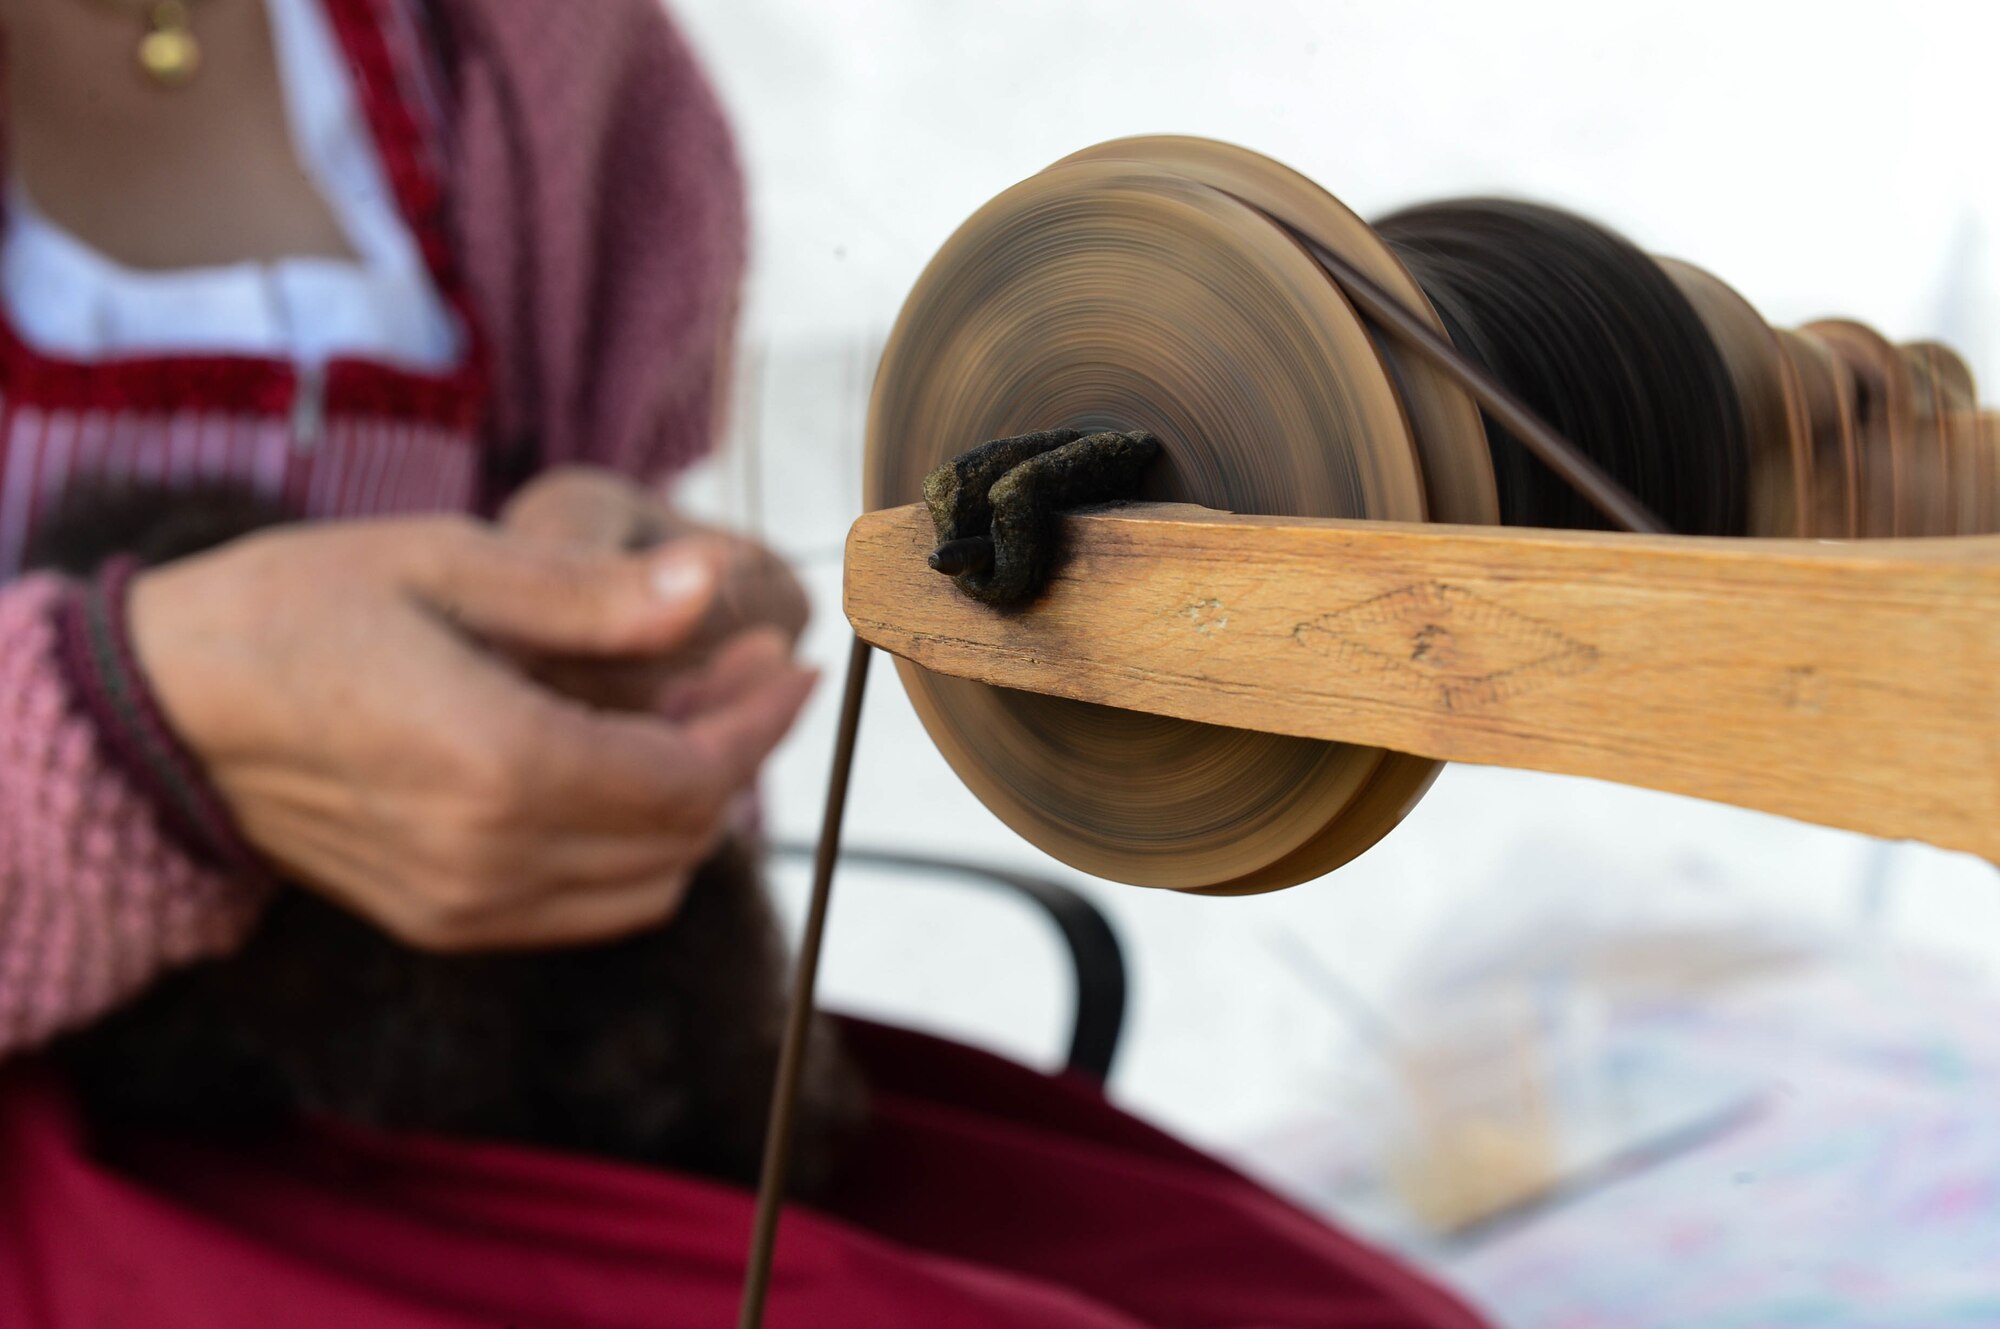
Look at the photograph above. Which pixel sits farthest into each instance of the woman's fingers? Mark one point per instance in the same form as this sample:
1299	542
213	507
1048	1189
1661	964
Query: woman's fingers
562	600
736	735
577	889
584	507
577	507
594	509
491	889
738	666
575	916
619	770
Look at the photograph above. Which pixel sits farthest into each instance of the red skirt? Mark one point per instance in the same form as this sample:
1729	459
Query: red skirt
986	1195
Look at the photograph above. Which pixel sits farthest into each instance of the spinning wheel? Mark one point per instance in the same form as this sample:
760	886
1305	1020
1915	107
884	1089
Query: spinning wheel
1182	287
1246	681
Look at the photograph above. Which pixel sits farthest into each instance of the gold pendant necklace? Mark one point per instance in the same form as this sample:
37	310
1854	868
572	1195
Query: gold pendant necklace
168	53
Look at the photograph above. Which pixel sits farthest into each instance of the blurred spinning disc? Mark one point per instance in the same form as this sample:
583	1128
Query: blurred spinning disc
1946	402
1121	293
1769	398
1831	476
1895	499
1451	441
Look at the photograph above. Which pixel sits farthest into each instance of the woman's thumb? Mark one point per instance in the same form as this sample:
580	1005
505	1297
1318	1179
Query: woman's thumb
565	600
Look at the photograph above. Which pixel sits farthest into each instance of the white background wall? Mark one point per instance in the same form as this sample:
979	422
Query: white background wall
1823	157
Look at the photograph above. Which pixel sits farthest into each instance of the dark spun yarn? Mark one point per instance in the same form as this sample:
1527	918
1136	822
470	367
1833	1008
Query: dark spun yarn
1595	337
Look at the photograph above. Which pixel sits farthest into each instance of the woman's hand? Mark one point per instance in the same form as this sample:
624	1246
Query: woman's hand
582	508
587	508
336	682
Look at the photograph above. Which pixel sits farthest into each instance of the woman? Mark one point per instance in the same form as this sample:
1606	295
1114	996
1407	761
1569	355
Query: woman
380	257
151	231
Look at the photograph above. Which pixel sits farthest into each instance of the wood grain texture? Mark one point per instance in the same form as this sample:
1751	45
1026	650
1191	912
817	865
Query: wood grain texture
1853	684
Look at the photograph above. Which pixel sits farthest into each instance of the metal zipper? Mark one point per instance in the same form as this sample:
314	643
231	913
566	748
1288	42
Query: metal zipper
309	409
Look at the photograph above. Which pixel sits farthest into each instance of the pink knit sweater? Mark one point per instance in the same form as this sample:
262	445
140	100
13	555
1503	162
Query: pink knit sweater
597	214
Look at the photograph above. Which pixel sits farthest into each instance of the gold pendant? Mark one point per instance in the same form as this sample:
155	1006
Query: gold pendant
168	52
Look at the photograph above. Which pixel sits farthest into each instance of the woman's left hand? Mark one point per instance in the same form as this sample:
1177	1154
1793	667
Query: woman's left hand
598	510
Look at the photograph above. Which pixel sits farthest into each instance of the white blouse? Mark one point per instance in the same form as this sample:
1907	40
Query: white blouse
67	299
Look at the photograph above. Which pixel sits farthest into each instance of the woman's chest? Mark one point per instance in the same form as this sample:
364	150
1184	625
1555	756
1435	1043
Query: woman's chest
162	177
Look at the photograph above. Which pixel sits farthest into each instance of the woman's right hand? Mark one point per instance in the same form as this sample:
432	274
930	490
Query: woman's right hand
347	688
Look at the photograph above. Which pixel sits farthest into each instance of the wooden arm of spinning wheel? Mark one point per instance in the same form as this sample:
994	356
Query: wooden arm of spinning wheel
1852	684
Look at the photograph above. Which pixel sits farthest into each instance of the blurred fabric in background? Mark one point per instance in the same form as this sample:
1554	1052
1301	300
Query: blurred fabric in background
1819	157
